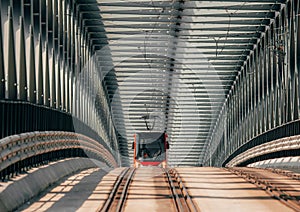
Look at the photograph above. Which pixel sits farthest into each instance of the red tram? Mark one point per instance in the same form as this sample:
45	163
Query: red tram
150	149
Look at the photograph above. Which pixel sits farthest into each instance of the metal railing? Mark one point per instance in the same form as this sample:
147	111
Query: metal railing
39	147
283	144
290	129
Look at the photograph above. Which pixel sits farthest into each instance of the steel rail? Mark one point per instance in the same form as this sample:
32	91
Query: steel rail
181	197
184	191
114	190
125	191
286	173
113	196
284	197
176	198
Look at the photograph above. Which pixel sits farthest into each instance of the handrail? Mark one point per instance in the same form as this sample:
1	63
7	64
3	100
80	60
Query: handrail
19	147
287	143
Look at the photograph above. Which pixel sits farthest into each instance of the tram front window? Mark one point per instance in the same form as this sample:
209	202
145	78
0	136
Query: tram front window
151	151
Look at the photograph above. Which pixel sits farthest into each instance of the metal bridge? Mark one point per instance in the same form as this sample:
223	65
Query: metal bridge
78	78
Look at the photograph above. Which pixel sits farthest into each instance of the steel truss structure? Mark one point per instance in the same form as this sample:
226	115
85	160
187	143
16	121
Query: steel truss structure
219	77
45	77
263	104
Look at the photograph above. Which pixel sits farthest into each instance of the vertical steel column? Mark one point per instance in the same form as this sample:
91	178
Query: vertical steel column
263	84
46	77
9	59
287	62
2	71
30	62
39	71
61	69
255	94
296	16
250	101
52	79
58	83
21	62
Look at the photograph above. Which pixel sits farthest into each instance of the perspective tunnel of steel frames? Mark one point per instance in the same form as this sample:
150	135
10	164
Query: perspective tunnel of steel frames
82	78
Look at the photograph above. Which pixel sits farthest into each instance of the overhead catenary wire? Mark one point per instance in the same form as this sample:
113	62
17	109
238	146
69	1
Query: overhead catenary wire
151	32
146	58
147	117
228	29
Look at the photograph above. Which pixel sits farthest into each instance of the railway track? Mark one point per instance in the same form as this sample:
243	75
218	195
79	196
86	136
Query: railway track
269	185
116	199
181	197
291	174
148	189
119	194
